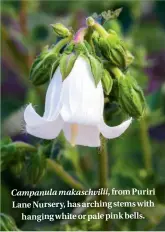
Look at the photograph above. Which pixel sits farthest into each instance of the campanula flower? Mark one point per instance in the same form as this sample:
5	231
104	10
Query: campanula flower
75	106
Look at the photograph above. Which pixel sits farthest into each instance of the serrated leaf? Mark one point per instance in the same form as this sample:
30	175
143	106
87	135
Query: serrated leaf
96	68
66	64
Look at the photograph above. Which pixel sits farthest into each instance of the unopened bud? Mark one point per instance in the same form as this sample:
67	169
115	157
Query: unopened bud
61	30
41	68
90	21
131	96
114	50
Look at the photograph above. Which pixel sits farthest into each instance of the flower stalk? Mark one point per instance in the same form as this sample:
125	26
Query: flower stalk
58	169
23	145
116	72
103	176
96	26
61	44
145	143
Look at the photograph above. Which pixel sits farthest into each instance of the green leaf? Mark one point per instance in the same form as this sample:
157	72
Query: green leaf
107	82
66	64
35	167
96	68
8	152
13	154
7	223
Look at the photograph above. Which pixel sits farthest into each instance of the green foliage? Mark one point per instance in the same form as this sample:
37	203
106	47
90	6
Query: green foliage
67	63
113	49
35	167
24	165
107	82
7	223
97	68
23	159
42	67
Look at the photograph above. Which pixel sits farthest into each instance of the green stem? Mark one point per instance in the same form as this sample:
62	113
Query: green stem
116	72
25	146
103	176
61	44
58	169
146	146
52	165
90	40
92	23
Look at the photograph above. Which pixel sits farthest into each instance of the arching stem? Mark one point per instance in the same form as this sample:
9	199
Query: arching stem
103	177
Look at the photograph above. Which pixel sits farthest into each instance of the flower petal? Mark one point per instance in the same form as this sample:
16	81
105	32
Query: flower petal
31	117
52	104
115	131
46	130
53	95
82	101
87	135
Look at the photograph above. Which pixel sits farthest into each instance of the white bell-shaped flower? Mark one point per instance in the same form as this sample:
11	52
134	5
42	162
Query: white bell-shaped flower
75	106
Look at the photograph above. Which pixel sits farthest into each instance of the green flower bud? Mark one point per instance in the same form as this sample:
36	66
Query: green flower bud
131	96
7	223
46	63
42	67
128	58
61	30
107	82
35	167
110	45
113	49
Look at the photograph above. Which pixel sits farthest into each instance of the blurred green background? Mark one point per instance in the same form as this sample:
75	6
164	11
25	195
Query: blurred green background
136	159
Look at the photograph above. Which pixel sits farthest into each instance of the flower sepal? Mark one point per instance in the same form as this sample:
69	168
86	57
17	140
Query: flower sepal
83	49
67	62
107	82
96	68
